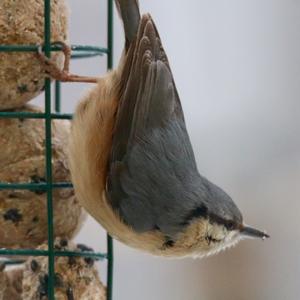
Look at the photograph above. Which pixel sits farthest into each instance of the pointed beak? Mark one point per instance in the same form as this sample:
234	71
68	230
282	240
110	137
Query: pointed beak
250	232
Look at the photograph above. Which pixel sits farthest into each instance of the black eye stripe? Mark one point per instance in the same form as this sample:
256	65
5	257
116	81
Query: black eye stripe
210	239
197	212
230	225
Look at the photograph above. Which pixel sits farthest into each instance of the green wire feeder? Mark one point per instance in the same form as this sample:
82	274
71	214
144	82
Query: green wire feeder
78	51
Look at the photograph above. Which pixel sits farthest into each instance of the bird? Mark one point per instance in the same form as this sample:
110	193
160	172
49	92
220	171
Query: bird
132	162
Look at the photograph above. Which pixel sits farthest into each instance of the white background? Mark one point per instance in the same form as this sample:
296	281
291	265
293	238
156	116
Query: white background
237	68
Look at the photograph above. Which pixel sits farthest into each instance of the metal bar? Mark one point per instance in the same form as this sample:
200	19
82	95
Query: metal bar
57	96
33	252
88	50
30	115
51	257
100	256
34	186
110	249
85	55
27	252
110	34
98	50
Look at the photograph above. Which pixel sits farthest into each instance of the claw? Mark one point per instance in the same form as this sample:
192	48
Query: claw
62	75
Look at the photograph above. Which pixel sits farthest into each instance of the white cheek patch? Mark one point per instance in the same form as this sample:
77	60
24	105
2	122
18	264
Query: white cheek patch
230	240
216	231
227	240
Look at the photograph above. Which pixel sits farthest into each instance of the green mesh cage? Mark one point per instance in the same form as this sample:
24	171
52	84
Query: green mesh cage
78	51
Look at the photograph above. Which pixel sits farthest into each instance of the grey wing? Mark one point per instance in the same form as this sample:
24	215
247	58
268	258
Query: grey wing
152	167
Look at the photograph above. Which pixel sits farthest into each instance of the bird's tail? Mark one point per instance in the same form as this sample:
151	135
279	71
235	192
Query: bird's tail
130	14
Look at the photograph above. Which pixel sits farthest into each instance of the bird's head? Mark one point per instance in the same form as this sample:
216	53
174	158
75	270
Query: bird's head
217	224
219	236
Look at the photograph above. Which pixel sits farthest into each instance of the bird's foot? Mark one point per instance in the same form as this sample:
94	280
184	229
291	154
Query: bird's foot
64	75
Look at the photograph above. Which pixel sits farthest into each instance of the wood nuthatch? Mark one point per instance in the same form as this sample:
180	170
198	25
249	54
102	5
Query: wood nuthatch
132	162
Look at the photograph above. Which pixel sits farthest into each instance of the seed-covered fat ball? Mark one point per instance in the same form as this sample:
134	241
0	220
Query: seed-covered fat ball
23	213
75	277
22	23
10	283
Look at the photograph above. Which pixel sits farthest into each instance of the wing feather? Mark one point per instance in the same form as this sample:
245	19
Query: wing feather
151	154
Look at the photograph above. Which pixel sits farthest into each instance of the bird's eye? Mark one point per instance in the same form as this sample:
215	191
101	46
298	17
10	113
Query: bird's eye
230	225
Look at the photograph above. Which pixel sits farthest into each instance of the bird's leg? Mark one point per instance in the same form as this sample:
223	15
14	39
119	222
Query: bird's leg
62	75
